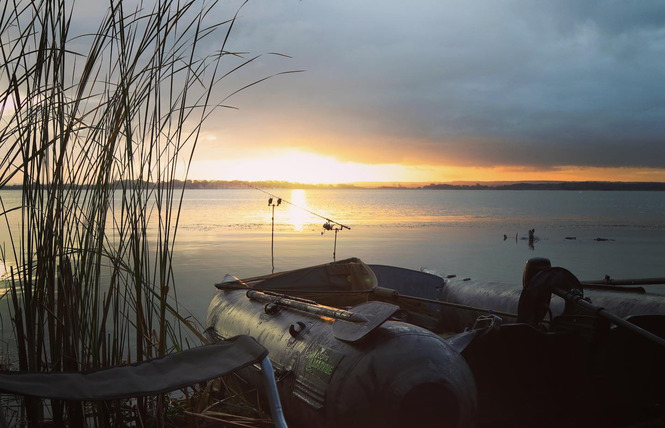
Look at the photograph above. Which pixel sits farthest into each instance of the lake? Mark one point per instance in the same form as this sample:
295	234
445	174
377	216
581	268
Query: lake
452	231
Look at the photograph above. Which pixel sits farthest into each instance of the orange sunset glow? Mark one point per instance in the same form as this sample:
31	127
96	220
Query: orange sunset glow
309	168
447	95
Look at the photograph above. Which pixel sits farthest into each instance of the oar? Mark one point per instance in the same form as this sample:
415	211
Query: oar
379	291
389	292
349	326
637	281
376	313
578	299
232	281
304	305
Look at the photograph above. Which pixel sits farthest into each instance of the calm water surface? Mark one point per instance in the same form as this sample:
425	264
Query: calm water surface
460	232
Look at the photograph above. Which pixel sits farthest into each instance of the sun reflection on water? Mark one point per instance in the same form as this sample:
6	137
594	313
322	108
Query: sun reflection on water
296	214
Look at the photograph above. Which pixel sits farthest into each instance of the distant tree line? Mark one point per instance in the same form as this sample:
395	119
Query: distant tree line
267	184
563	185
270	184
215	184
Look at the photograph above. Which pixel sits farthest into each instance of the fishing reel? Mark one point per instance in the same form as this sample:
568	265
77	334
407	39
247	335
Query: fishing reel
332	227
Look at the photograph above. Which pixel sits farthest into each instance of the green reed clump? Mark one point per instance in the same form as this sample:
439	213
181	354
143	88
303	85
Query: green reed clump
95	129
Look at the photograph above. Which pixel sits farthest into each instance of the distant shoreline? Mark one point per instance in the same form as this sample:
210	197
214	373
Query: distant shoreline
565	185
503	185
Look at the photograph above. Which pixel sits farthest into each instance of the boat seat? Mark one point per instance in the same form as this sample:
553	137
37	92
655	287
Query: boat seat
151	377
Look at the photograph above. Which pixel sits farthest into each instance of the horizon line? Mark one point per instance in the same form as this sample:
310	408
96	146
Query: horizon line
462	184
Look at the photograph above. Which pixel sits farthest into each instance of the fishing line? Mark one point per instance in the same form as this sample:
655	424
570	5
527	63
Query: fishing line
299	207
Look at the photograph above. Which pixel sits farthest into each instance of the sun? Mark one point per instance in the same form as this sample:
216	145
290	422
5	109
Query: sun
297	166
293	166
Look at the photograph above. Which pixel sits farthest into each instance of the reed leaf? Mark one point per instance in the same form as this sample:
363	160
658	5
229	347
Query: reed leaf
93	128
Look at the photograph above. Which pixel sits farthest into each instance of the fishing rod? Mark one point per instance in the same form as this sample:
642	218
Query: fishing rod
342	226
330	225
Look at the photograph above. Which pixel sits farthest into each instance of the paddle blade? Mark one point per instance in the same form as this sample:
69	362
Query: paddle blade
375	313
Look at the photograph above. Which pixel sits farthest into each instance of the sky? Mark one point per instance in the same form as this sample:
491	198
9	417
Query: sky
439	91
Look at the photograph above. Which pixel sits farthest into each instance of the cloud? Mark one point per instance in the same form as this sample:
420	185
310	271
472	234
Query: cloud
473	83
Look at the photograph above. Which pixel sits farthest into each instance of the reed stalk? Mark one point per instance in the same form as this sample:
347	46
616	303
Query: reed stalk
94	129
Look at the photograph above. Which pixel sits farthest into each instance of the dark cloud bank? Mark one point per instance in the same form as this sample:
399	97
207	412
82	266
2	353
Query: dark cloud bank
474	83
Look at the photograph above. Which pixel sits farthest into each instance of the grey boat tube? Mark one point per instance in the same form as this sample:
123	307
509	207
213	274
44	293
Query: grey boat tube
504	297
397	375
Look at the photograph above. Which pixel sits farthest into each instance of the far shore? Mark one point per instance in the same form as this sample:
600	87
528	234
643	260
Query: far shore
503	185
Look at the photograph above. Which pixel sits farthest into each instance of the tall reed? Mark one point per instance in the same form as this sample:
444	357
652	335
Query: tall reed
95	130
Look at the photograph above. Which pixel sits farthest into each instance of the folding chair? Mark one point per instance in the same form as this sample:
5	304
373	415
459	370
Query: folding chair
152	377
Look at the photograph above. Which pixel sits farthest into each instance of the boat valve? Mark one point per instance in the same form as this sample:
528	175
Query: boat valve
296	329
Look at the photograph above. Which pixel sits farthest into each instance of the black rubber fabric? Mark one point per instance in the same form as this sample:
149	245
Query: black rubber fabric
150	377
